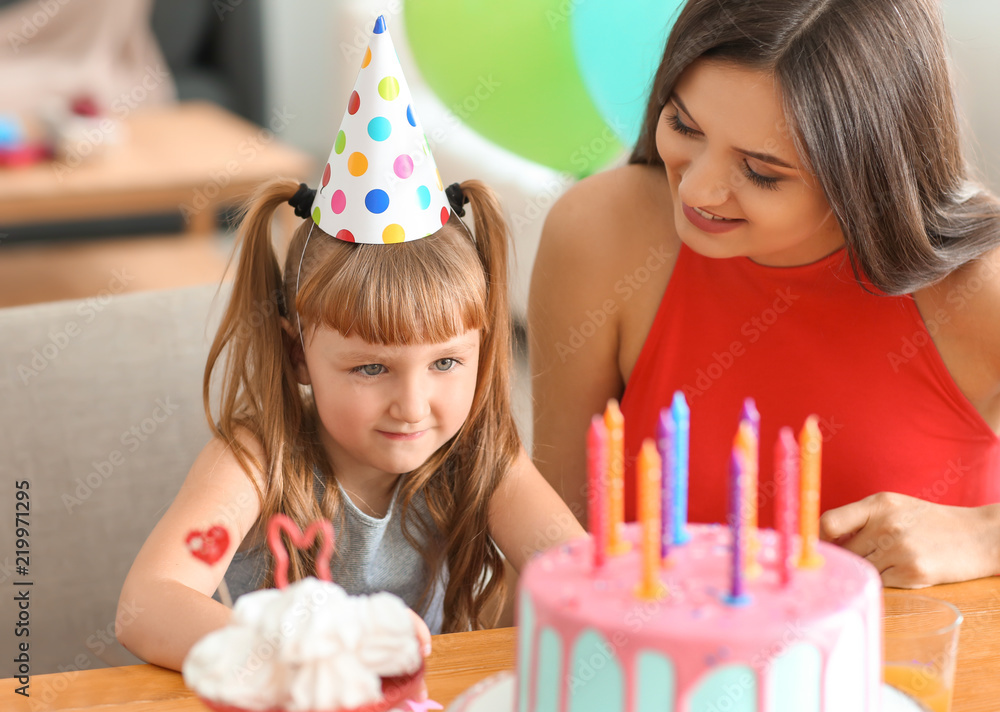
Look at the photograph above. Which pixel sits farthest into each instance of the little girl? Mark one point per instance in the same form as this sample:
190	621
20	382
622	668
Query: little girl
363	383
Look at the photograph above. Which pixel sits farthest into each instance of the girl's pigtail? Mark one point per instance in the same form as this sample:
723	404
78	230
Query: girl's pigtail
492	243
492	444
256	386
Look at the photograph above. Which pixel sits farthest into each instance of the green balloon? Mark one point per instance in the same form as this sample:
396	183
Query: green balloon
507	69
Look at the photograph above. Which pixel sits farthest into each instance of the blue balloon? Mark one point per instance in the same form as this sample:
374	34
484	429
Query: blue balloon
618	47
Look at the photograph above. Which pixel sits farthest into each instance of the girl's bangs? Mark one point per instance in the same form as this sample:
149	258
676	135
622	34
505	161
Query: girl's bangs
392	296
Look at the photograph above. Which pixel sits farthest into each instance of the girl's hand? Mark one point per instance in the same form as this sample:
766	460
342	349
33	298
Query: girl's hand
423	633
914	543
424	636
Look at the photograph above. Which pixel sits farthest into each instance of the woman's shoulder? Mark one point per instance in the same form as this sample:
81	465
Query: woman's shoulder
963	313
969	299
613	214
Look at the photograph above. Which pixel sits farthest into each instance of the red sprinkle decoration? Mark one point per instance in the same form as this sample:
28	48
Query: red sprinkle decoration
209	546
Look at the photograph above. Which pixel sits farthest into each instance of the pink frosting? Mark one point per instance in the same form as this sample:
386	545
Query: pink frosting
693	626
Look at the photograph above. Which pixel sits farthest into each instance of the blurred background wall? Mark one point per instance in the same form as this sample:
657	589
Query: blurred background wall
293	44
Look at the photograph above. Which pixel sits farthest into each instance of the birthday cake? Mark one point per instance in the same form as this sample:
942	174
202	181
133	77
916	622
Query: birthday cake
675	617
587	642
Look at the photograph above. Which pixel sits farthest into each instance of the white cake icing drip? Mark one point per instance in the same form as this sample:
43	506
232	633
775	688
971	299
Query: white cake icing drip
309	646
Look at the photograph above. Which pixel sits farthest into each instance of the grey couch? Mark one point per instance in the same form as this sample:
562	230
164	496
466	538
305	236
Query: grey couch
101	414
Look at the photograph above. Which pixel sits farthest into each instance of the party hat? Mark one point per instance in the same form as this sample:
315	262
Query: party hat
380	183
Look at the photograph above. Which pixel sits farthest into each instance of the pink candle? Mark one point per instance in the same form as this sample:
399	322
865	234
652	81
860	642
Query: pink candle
597	487
786	478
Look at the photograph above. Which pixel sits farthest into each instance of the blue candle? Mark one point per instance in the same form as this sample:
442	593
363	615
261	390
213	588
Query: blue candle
681	415
665	431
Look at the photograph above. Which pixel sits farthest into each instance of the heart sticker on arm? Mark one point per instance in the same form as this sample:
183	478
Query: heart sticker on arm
210	545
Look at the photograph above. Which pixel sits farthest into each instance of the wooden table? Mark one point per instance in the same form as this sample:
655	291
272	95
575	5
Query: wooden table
193	157
461	659
32	273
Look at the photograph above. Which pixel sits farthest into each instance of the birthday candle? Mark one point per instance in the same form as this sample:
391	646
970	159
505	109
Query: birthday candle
752	416
786	478
810	453
597	487
681	415
665	431
746	442
615	424
648	490
737	491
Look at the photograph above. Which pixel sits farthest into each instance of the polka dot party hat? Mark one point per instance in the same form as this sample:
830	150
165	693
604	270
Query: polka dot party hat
380	184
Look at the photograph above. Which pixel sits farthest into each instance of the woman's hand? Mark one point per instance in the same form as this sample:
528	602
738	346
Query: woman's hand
914	543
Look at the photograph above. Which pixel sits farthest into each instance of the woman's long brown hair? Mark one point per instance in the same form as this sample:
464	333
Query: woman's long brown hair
425	291
871	107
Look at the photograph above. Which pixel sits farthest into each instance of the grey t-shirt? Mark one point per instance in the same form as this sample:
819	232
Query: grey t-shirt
373	555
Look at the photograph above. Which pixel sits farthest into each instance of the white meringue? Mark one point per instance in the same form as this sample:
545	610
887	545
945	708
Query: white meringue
309	646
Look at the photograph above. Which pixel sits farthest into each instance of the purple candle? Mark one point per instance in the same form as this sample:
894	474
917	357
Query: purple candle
737	482
665	436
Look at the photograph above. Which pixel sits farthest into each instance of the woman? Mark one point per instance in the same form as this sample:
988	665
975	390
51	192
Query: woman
797	224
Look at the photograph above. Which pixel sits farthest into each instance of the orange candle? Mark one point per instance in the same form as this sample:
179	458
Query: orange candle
746	443
810	454
650	587
615	423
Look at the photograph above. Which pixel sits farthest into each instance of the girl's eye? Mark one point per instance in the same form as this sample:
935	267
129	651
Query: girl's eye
445	364
765	182
370	369
680	127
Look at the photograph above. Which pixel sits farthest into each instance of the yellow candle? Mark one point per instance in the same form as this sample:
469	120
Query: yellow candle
650	587
615	423
810	453
746	443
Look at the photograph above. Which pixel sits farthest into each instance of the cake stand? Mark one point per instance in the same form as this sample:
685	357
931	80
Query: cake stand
496	694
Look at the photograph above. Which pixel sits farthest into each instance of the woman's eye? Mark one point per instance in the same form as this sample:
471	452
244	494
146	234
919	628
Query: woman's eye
679	126
445	364
766	182
370	369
